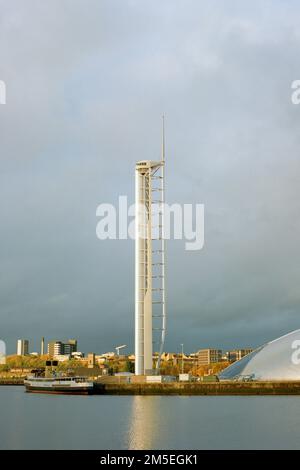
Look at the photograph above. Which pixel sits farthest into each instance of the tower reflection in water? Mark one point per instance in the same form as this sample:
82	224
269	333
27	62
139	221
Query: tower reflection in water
145	424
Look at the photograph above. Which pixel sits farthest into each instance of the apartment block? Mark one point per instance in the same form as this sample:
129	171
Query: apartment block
60	348
22	347
209	356
237	354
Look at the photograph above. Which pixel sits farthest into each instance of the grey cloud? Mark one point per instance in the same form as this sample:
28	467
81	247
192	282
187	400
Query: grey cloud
87	82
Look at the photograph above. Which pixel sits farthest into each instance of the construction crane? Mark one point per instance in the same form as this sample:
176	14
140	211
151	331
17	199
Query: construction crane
120	347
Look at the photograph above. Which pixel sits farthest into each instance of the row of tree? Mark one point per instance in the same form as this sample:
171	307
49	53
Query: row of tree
114	365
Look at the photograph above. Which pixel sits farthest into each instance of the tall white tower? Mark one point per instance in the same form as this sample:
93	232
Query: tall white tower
42	346
150	301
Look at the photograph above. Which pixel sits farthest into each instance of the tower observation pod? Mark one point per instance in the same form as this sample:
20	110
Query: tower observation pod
150	301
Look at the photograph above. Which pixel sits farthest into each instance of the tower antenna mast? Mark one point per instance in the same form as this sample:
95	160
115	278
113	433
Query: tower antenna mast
163	247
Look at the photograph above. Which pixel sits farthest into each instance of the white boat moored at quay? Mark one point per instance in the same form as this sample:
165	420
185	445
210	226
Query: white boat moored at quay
62	385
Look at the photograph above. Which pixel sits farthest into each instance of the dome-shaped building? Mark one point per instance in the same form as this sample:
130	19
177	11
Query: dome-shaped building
276	360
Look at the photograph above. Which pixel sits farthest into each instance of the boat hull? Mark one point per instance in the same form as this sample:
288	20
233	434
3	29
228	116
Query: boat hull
56	390
60	390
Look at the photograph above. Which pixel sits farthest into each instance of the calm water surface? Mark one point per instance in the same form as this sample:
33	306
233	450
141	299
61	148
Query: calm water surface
32	421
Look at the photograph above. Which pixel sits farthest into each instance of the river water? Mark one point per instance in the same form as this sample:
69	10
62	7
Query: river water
33	421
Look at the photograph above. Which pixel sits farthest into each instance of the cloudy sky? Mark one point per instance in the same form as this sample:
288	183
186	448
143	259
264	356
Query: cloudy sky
87	82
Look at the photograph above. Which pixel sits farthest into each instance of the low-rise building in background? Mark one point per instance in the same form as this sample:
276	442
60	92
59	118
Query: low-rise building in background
77	355
62	357
91	360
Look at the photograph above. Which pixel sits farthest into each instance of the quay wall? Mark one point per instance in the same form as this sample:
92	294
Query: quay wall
187	388
198	388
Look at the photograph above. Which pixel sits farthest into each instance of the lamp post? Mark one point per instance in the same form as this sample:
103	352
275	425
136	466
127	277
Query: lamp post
182	368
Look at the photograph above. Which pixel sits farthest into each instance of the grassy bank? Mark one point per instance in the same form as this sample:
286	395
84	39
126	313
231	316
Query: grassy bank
11	381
